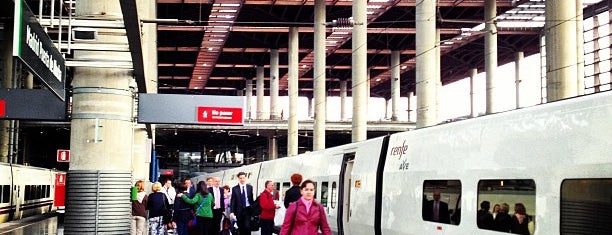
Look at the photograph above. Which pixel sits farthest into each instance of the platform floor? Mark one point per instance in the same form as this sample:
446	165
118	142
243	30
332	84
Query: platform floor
40	225
35	225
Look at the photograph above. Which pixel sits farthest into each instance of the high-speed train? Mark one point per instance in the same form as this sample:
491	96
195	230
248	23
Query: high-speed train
555	159
28	191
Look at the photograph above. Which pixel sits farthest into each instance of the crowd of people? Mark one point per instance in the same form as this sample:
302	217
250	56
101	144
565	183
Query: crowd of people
212	209
500	219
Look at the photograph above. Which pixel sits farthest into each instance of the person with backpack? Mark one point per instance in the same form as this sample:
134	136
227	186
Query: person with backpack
268	209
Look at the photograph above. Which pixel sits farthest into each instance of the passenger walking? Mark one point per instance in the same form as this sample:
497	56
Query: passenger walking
218	206
139	206
293	194
157	205
306	215
242	199
484	218
190	189
503	220
268	209
520	220
182	212
203	202
496	210
169	191
438	210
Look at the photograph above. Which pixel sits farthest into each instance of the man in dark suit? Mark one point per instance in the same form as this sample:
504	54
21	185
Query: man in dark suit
438	211
218	207
190	189
240	204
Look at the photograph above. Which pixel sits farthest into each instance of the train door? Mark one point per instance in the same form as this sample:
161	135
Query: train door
344	209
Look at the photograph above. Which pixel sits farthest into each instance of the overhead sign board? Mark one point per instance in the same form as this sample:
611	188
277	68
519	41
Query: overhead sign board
36	50
31	104
190	109
220	115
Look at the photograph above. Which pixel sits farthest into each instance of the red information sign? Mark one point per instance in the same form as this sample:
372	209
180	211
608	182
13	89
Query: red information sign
220	115
2	108
63	155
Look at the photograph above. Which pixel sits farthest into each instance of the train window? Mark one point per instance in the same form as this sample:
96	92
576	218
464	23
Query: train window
286	186
585	206
27	192
499	202
48	191
324	192
6	193
442	201
334	195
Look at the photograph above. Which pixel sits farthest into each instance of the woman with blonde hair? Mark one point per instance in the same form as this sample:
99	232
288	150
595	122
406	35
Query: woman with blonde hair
139	213
158	206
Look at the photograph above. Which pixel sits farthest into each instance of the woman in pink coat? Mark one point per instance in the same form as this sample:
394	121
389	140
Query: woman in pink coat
305	216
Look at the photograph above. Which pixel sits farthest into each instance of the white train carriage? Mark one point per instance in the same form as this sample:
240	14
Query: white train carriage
554	159
26	191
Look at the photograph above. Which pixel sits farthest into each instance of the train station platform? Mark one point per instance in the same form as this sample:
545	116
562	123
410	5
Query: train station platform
35	225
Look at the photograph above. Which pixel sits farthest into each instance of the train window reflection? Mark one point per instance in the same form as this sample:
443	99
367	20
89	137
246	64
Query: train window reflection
506	205
334	195
6	193
324	195
442	201
586	206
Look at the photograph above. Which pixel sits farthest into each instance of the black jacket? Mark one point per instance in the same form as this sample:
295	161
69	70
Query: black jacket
292	195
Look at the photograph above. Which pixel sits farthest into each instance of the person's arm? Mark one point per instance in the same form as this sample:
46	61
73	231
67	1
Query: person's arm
289	217
193	200
286	199
324	225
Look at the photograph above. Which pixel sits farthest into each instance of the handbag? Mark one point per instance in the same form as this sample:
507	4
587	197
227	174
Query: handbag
193	221
166	213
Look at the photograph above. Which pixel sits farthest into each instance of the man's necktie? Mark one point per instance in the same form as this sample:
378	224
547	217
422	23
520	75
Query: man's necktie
243	197
436	211
217	202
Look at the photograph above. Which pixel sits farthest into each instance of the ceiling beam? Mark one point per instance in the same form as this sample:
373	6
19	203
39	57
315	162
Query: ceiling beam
402	3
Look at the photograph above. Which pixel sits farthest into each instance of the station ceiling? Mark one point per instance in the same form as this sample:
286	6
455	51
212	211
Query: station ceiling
212	47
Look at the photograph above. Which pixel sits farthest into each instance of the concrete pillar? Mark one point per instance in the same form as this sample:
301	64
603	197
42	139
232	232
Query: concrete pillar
409	109
143	144
360	71
320	97
141	157
272	148
561	52
310	107
29	81
6	75
395	84
101	135
343	93
260	92
518	58
473	73
249	97
274	83
426	81
387	103
292	125
579	48
490	55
